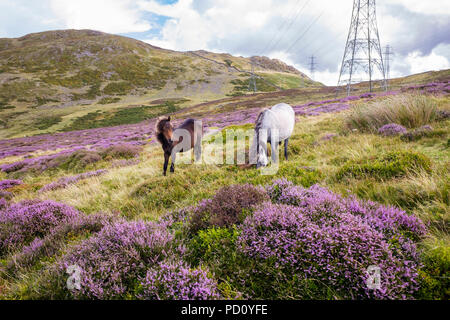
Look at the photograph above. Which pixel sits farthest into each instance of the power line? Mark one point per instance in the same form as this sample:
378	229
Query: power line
303	34
290	25
282	25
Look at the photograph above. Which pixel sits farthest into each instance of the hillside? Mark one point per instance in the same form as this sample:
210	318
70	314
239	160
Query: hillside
70	73
377	197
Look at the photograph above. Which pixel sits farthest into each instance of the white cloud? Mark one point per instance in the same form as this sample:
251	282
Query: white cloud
114	16
420	63
426	7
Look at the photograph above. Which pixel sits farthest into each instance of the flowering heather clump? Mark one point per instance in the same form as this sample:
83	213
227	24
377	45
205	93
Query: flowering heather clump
21	223
5	195
6	184
121	151
422	132
52	242
114	258
392	129
226	207
175	280
65	181
3	203
320	236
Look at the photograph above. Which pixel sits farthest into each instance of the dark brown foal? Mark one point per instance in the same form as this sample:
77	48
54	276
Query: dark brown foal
182	139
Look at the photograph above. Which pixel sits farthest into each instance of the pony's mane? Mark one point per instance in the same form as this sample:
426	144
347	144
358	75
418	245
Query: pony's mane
159	128
258	126
260	118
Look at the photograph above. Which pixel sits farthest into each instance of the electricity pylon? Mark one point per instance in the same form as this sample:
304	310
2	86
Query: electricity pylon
387	59
312	66
362	54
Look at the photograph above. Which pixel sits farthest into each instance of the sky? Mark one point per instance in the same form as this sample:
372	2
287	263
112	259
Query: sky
290	30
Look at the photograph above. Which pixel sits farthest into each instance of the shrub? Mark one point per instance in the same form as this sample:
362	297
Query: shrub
21	223
226	207
434	280
112	261
390	165
126	151
410	111
175	280
6	184
422	132
3	203
108	100
51	243
319	245
392	129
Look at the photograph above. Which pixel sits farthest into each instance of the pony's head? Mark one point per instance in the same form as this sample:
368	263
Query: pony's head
164	130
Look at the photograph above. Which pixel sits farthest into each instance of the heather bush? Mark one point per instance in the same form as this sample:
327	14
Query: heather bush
51	244
76	160
387	166
422	132
3	203
5	195
112	261
6	184
392	129
21	223
318	245
226	207
175	280
126	151
411	111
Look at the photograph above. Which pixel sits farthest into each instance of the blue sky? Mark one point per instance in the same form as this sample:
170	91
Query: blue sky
290	30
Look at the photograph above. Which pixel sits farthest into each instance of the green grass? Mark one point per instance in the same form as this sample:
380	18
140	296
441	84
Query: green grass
100	119
416	181
388	166
47	121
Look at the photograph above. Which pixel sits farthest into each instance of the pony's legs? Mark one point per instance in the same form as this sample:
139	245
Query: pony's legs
274	148
172	166
166	162
198	149
286	148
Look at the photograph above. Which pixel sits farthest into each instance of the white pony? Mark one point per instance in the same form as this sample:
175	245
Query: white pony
273	125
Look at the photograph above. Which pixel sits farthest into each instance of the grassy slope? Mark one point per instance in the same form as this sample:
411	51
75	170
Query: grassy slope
141	192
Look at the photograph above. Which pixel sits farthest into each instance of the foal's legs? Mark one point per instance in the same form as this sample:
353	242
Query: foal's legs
166	162
286	148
